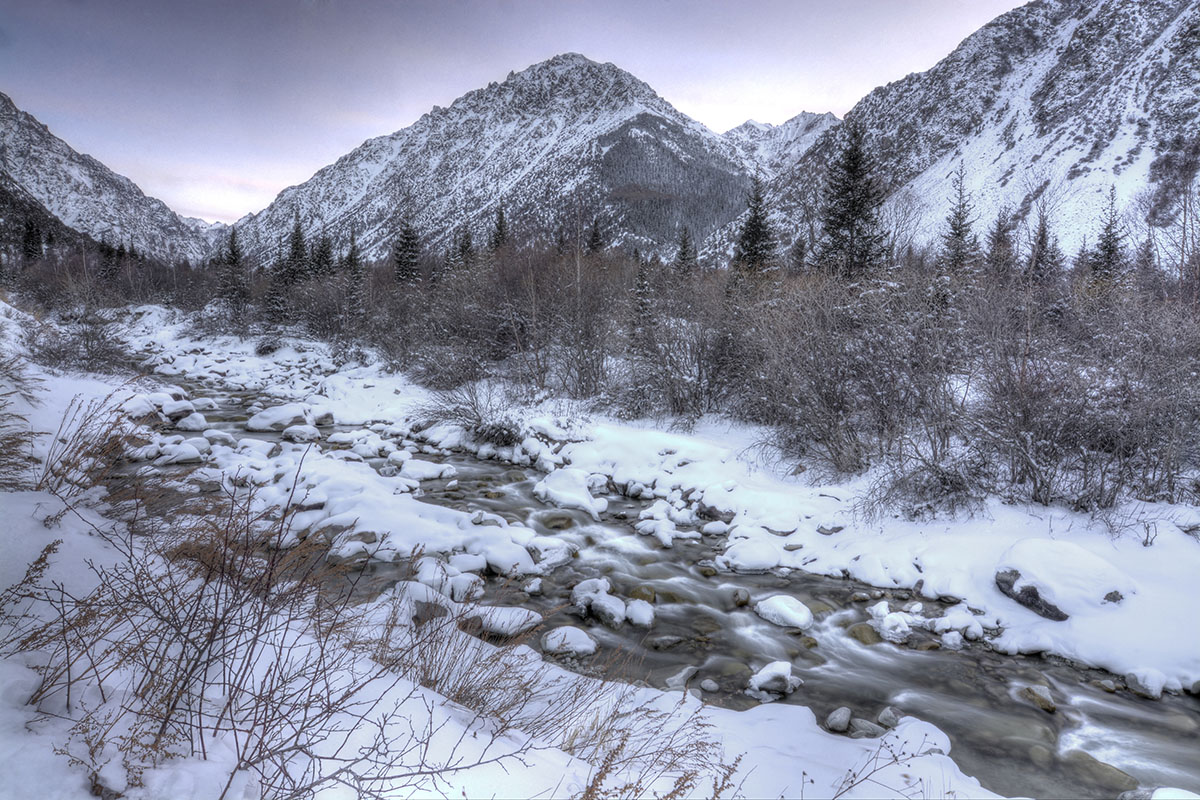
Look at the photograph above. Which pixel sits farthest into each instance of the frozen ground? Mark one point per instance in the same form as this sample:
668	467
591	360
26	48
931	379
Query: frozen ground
705	478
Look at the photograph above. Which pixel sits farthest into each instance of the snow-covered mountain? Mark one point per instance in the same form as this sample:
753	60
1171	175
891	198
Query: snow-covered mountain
88	196
558	144
1046	106
773	149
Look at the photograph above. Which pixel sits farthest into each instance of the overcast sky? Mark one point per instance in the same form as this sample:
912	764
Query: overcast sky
214	106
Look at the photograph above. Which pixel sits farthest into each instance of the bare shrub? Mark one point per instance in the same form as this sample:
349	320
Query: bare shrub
16	437
483	407
87	342
88	448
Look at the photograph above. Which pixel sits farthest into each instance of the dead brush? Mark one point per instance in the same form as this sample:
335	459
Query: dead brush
88	449
17	388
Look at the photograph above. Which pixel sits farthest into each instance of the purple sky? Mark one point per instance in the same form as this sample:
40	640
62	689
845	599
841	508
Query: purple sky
216	106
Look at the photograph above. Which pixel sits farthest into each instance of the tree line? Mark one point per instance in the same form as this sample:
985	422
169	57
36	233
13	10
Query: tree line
987	362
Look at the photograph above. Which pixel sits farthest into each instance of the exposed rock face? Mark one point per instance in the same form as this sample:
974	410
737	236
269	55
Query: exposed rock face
1027	596
557	144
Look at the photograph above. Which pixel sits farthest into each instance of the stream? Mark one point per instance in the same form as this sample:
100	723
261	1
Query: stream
1097	743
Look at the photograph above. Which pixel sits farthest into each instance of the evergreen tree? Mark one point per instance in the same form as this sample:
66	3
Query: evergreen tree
755	251
797	260
499	237
687	261
320	263
110	263
595	242
1044	265
852	244
354	273
1001	258
295	265
406	256
31	241
642	324
1108	259
1149	277
960	245
232	281
466	249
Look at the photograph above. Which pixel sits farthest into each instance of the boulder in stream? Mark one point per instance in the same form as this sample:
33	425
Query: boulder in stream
775	678
568	641
1040	697
838	720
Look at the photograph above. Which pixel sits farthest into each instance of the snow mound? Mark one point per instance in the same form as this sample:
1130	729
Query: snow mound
568	641
568	488
785	611
1061	574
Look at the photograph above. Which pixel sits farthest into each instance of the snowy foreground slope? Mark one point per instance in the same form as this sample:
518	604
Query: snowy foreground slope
784	751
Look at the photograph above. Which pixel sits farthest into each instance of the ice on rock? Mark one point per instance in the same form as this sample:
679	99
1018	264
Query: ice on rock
568	641
277	418
419	470
508	558
468	562
176	410
593	595
192	422
784	610
506	620
640	613
215	436
301	433
179	454
568	488
774	679
750	555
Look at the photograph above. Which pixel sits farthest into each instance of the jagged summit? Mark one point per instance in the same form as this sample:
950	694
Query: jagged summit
770	149
566	137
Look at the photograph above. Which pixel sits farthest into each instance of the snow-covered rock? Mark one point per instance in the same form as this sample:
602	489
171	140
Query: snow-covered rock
1056	578
568	641
568	488
784	610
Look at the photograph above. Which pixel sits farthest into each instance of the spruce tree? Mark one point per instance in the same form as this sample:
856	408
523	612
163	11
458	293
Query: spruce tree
320	263
232	285
1044	265
755	252
797	258
354	272
31	241
960	245
406	256
466	249
1001	258
852	244
499	236
295	266
687	261
595	242
642	323
1108	259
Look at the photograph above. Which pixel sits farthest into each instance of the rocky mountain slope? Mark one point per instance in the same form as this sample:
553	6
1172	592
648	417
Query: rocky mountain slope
774	149
558	144
88	196
1046	106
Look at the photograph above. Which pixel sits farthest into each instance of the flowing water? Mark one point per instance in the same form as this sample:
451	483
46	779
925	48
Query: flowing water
1096	744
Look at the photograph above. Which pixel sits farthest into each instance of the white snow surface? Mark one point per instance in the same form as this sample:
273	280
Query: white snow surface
774	521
